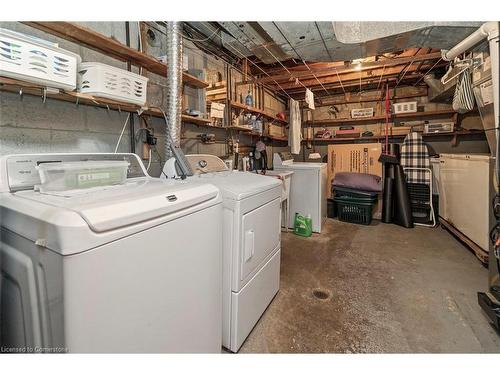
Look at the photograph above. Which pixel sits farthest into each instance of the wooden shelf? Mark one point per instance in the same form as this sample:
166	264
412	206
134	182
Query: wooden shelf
273	137
239	128
193	81
111	47
256	111
276	138
252	133
197	120
14	86
398	136
340	122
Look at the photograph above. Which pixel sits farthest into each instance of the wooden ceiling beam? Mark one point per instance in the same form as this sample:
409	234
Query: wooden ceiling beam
300	67
353	85
337	89
348	99
321	73
354	76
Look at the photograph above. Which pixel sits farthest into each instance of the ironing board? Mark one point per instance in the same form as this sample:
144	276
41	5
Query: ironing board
417	166
415	155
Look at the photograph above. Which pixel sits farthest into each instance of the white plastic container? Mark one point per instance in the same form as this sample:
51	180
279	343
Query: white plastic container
405	107
81	174
37	61
113	83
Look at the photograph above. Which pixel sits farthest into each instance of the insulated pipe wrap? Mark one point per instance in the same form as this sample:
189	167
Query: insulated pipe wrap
174	85
434	83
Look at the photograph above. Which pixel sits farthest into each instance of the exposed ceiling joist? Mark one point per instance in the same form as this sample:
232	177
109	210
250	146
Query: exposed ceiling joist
349	69
357	75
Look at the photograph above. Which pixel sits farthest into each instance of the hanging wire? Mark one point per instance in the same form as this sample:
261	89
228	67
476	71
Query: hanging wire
407	67
275	58
340	80
380	80
195	51
258	67
157	26
121	134
263	71
432	67
404	73
251	62
202	40
314	75
284	67
323	40
300	57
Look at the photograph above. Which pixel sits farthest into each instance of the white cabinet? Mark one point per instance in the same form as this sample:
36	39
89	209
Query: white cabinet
465	194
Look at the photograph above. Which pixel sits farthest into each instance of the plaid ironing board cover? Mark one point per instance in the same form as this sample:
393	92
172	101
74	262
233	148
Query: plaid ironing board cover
414	154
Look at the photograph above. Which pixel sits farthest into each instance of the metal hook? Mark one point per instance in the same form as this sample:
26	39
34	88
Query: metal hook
44	97
77	101
107	107
119	110
21	93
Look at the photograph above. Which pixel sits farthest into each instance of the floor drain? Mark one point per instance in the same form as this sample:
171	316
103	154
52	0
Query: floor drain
321	294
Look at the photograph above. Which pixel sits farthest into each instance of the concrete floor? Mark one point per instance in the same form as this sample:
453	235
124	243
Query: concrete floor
392	290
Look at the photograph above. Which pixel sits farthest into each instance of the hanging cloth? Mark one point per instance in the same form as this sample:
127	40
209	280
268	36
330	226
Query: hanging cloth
294	132
310	99
463	100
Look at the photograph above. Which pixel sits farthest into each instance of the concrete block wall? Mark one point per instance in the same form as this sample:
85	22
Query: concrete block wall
27	125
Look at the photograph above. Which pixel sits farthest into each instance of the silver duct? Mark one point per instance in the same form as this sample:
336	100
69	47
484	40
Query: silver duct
174	86
434	83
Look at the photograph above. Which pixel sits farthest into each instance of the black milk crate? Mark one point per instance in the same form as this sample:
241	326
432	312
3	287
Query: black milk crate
355	210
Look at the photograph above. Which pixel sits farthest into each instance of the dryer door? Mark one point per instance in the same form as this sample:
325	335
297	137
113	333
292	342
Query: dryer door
259	237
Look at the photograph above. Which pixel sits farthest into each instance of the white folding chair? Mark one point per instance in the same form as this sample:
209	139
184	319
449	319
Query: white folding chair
432	214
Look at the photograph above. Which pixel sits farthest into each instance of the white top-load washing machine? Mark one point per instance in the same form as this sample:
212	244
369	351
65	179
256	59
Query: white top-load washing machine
308	188
252	233
134	267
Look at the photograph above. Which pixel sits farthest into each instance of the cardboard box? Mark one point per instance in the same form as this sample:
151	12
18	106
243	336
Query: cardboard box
272	104
275	130
360	158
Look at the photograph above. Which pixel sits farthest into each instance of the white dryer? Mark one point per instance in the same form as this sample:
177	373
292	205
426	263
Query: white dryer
128	268
308	188
252	238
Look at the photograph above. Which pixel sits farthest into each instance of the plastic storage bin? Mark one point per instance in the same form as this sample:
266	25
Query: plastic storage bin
81	174
37	61
354	206
113	83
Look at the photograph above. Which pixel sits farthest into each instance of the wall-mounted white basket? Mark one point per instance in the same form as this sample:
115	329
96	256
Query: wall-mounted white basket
113	83
37	61
405	107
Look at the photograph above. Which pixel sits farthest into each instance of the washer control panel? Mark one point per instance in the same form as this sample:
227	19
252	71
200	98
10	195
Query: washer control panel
19	172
